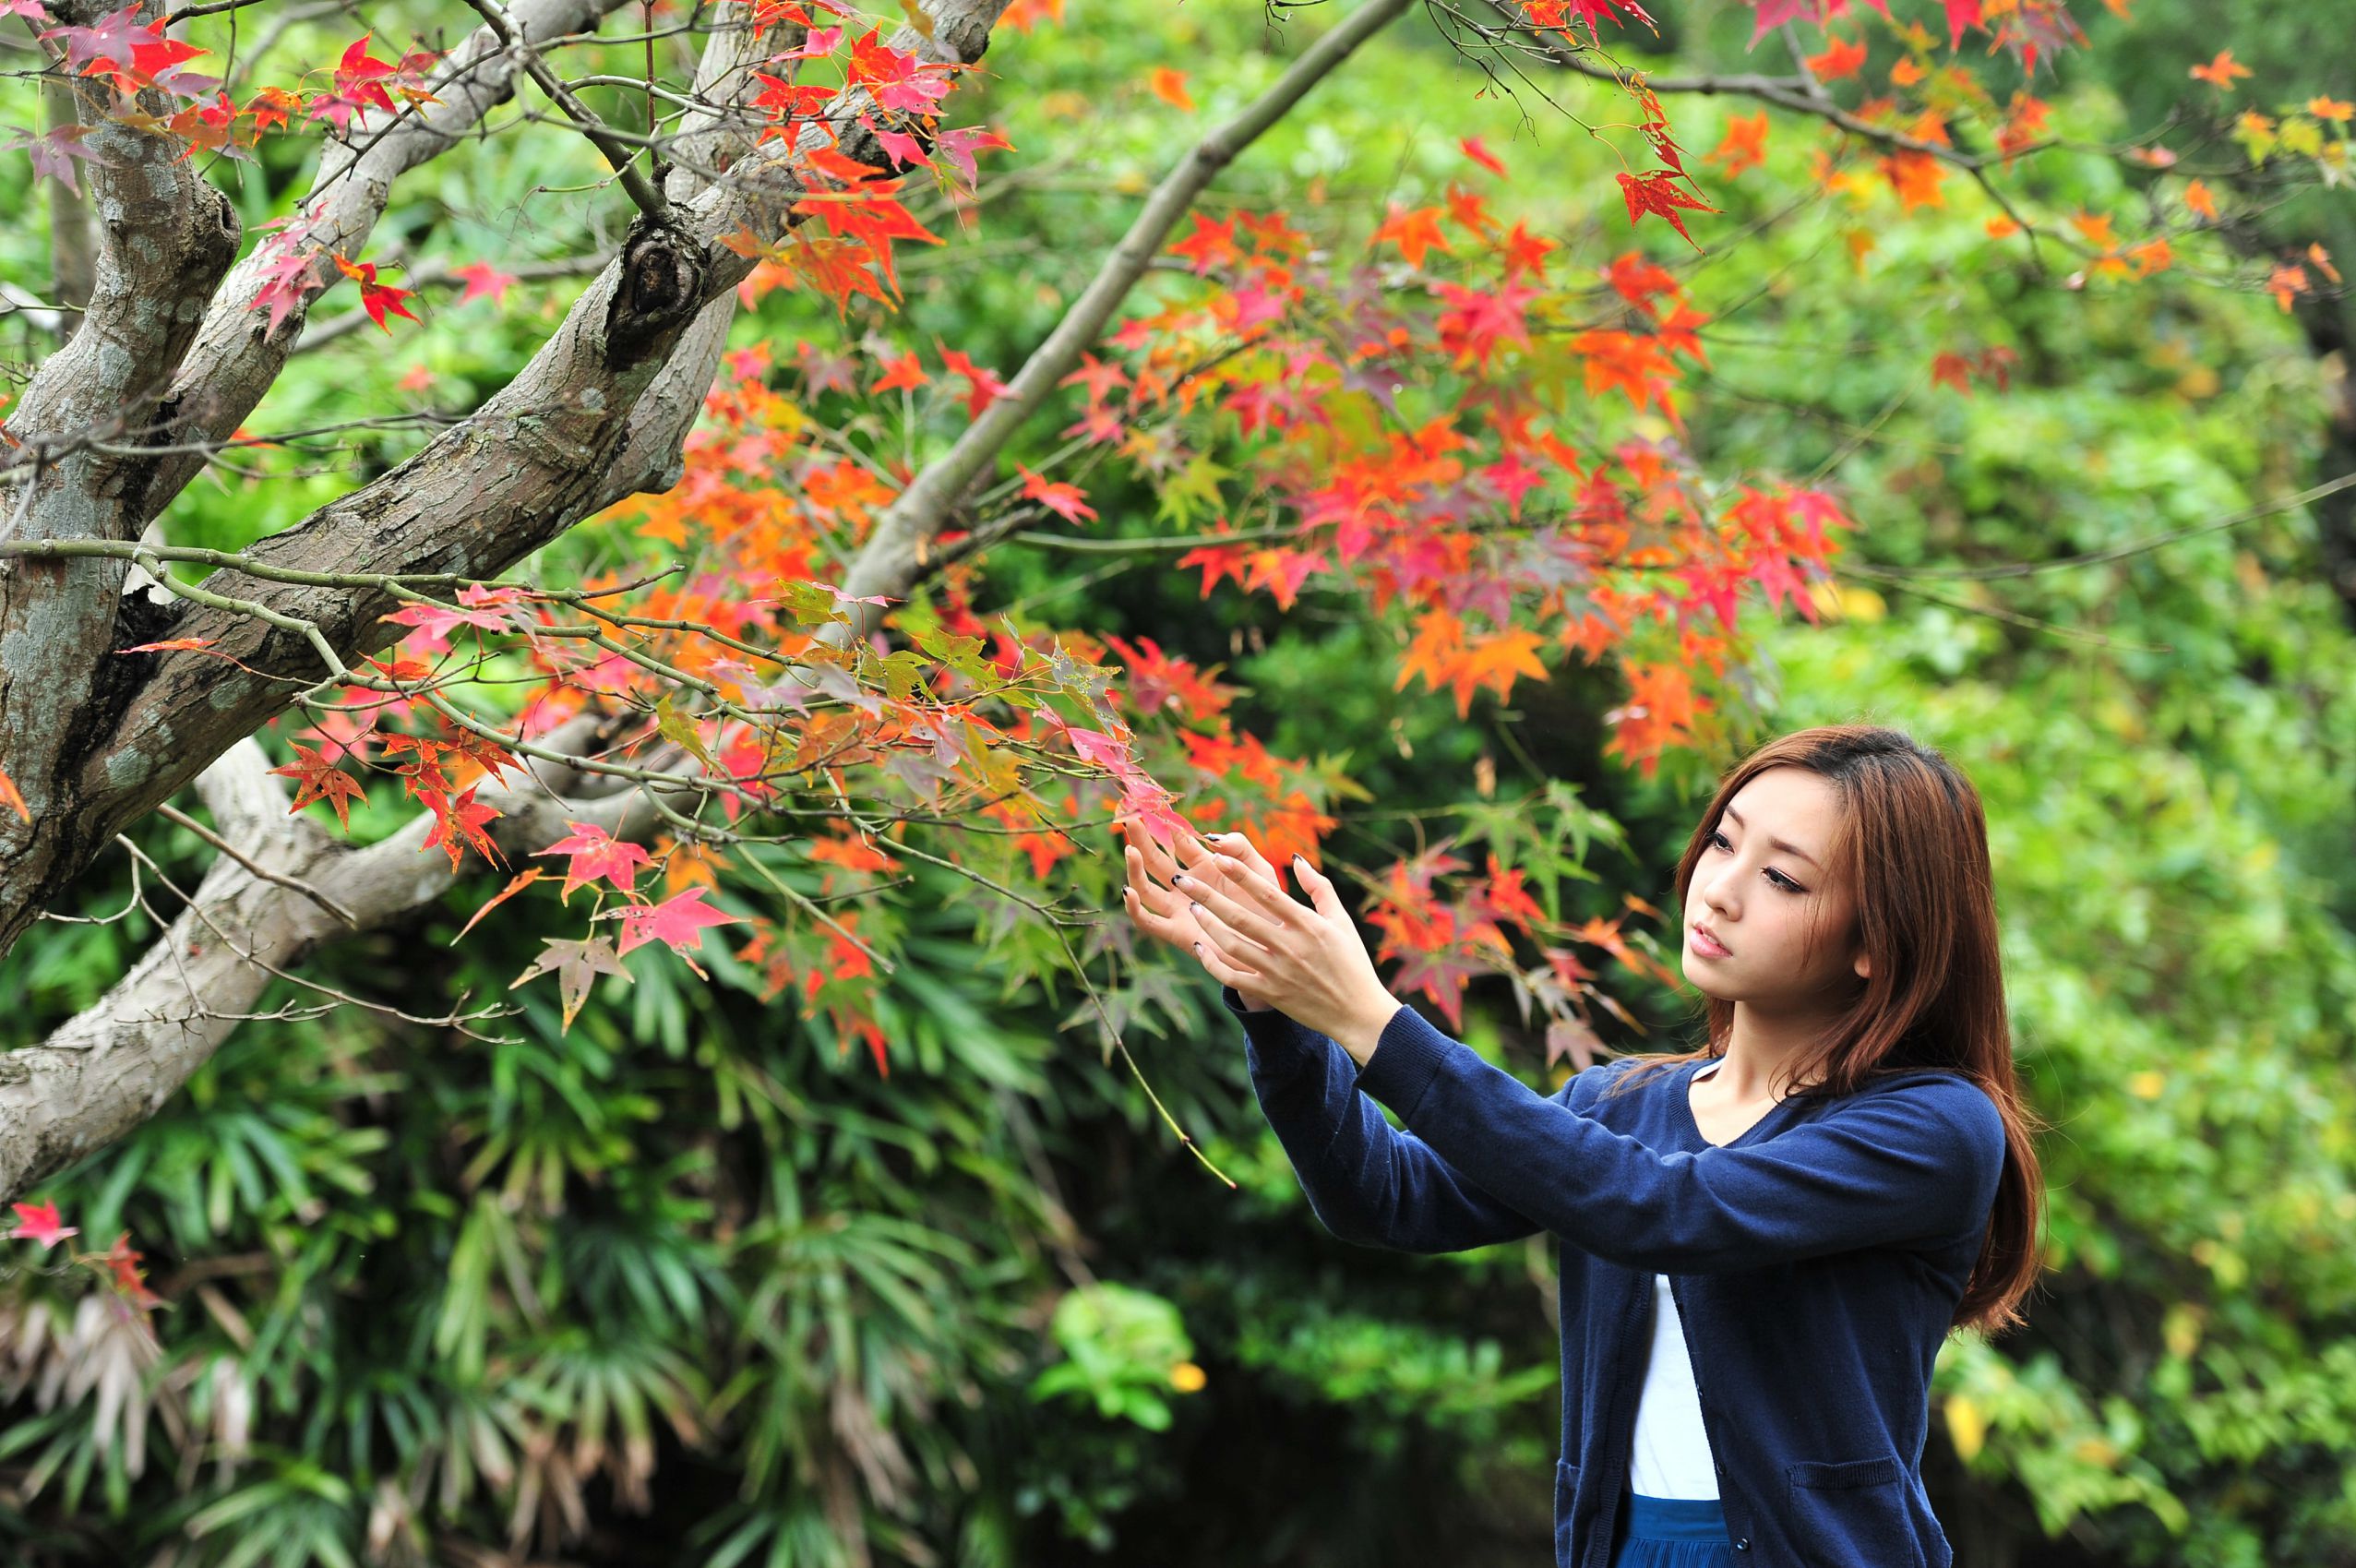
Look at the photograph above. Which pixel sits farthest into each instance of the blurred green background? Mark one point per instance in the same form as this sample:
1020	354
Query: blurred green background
686	1288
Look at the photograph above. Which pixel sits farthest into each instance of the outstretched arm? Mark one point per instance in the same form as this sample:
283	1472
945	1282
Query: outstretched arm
1369	1183
1911	1164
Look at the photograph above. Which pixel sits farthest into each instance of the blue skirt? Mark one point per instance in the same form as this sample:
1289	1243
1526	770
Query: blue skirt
1671	1532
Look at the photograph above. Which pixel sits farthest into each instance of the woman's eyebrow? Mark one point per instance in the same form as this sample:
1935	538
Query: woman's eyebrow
1777	843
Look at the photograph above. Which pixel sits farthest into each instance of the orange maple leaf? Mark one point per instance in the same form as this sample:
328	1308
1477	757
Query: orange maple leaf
905	371
2287	284
1658	714
1169	86
1916	177
1415	232
2095	227
2221	71
2152	256
1841	58
1744	145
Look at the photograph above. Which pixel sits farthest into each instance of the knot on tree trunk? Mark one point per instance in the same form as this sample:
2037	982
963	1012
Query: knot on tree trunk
660	289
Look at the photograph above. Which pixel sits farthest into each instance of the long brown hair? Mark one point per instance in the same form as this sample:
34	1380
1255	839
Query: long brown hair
1913	844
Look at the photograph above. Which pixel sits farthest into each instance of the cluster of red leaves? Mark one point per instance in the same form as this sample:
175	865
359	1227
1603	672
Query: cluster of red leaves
135	58
855	204
1994	365
443	766
118	1267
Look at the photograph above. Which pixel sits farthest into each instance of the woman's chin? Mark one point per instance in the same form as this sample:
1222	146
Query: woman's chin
1700	977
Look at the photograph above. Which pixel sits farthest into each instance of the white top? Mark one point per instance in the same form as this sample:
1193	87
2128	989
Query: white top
1672	1455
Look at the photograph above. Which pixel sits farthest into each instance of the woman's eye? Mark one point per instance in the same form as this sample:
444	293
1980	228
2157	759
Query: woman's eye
1718	841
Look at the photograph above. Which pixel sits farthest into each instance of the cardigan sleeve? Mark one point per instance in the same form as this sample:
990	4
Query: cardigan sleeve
1914	1166
1368	1182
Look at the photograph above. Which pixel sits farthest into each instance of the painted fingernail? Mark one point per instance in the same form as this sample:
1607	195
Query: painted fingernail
1196	907
1177	878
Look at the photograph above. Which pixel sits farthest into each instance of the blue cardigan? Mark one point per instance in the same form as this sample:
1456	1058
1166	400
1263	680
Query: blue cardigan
1816	1262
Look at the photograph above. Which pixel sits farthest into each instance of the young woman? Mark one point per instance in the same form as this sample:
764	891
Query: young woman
1767	1239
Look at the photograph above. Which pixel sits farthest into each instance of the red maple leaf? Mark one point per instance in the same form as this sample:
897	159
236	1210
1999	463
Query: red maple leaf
1210	244
53	153
985	388
789	101
375	297
359	75
1657	193
1961	14
896	79
287	280
484	280
1066	501
458	824
596	852
1473	148
960	145
322	780
39	1222
125	1274
679	923
133	56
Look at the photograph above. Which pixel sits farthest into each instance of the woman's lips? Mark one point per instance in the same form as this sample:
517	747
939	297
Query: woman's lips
1703	946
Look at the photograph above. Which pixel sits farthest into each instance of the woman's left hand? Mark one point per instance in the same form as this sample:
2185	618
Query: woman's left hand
1307	961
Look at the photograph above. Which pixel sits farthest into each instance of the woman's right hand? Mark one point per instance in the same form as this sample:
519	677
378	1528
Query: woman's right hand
1159	909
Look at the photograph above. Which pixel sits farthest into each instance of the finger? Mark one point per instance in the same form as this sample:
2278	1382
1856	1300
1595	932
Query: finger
1149	893
1235	846
1202	866
1216	964
1159	861
1156	909
1228	861
1244	919
1314	884
1255	881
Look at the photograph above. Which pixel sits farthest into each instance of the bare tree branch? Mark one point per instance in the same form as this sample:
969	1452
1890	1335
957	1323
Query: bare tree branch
650	201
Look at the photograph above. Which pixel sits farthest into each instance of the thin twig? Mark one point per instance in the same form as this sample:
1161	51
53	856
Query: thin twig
650	201
174	814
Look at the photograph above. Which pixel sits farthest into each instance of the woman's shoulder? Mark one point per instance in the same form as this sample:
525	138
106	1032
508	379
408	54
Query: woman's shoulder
1611	1077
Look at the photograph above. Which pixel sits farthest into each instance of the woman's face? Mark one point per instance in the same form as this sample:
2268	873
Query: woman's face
1761	901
